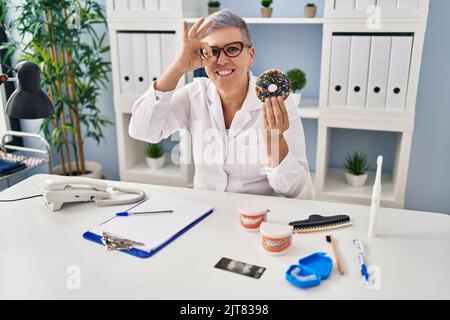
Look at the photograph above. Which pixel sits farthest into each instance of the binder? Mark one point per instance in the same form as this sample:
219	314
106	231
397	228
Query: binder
151	5
168	49
378	72
121	5
408	4
340	56
154	56
165	5
384	4
364	4
136	4
399	72
139	60
359	68
145	235
344	4
125	63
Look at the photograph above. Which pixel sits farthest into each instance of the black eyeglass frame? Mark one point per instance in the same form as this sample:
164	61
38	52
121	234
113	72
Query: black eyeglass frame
241	43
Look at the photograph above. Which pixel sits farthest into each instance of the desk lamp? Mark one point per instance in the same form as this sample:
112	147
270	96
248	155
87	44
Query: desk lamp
28	101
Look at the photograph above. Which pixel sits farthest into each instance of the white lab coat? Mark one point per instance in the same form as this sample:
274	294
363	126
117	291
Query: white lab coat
224	159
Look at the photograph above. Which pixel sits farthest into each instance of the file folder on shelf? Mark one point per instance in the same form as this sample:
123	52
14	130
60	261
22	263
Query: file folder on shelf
144	235
168	49
344	4
384	4
151	5
364	4
136	4
399	72
125	63
339	65
359	68
121	5
378	72
168	5
139	56
408	4
154	56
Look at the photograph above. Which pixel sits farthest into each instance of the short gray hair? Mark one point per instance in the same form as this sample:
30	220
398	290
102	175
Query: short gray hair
225	19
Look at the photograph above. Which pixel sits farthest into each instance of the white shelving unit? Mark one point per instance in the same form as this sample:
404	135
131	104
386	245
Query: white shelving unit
145	17
309	108
340	17
345	17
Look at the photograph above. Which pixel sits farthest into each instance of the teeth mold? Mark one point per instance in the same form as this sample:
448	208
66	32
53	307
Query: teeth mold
251	218
276	238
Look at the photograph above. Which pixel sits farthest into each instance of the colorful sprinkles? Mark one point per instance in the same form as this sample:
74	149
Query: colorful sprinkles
272	83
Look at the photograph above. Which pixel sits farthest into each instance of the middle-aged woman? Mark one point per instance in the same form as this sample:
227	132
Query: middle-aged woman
239	143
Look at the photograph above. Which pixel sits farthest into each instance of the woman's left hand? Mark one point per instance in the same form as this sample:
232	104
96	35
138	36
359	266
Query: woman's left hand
275	116
276	122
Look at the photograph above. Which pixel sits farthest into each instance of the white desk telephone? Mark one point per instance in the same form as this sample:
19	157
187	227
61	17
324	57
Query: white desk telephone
58	190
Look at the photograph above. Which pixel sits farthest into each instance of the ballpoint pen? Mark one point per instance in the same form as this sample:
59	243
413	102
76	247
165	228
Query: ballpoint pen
358	245
130	213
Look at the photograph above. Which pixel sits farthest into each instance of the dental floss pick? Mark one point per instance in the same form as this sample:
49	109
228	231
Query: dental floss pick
376	197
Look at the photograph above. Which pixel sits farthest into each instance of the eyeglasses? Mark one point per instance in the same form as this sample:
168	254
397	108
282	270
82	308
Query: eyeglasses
231	50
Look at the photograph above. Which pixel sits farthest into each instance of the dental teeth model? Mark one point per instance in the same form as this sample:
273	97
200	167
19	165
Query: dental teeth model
251	218
276	238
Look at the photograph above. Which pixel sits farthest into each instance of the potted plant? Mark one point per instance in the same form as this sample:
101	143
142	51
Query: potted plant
310	10
266	10
297	78
356	165
213	6
62	37
155	155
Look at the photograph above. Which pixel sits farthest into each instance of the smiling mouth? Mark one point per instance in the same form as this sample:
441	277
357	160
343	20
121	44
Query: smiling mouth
225	73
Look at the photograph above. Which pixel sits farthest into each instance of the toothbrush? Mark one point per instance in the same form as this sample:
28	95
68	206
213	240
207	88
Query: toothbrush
376	195
358	245
330	239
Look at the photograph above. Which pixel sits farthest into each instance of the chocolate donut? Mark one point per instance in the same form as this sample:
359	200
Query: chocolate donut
272	83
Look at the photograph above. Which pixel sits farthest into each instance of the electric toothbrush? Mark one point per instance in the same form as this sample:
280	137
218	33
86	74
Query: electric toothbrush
376	196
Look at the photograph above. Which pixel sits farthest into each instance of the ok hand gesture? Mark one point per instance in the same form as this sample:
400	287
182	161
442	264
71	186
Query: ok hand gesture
189	58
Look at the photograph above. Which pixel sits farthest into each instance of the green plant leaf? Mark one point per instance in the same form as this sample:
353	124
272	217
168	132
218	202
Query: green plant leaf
154	150
87	73
297	78
356	163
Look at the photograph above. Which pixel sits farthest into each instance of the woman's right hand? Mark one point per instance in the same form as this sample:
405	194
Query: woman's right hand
189	58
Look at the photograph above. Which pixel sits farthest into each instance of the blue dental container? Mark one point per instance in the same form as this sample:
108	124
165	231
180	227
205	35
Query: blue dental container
313	269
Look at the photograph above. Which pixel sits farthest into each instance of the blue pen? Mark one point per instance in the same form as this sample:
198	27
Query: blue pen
127	213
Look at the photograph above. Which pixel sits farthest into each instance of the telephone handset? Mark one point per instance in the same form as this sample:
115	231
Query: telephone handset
62	184
58	190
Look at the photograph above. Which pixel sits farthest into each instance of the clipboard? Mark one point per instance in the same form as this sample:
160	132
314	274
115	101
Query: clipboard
143	236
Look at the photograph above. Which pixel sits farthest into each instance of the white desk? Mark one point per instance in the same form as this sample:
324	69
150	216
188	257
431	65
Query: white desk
37	247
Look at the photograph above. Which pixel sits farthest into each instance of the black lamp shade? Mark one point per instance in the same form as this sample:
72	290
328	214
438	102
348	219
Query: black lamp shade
28	101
